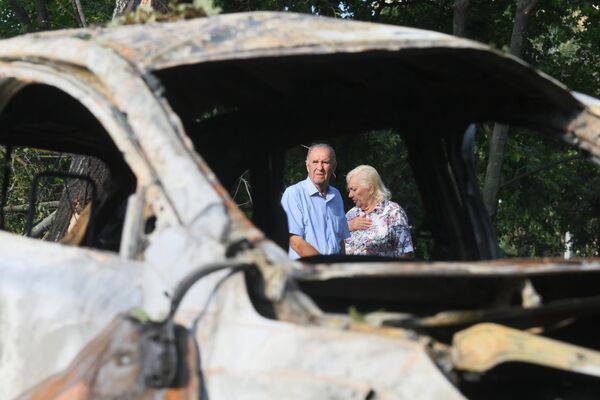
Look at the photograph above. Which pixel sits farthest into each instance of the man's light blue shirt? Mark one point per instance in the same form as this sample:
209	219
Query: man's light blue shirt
319	220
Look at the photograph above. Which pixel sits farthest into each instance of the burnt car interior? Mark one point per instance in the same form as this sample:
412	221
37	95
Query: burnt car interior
251	112
49	133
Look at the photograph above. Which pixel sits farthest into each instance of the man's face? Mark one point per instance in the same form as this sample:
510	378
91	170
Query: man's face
320	166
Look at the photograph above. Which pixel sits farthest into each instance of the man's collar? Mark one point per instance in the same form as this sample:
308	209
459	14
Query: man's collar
312	190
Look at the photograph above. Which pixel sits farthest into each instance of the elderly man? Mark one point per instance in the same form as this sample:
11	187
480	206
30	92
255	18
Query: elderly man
315	210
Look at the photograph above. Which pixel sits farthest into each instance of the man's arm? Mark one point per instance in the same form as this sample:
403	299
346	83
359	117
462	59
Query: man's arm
302	247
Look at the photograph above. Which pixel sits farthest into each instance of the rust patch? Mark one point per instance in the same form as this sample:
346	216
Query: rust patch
110	367
484	346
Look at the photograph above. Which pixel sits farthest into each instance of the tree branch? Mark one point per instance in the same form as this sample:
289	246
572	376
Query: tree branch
79	14
524	8
459	20
538	169
408	2
499	137
43	226
25	207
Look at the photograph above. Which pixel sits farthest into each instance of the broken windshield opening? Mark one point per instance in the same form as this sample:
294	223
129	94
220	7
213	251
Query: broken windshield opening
250	114
247	118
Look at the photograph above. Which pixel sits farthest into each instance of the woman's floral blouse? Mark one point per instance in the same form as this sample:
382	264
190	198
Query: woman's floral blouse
389	234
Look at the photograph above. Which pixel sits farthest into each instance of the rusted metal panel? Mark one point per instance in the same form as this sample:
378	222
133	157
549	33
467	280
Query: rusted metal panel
56	298
484	346
584	132
505	267
245	355
113	366
158	131
87	90
256	34
590	102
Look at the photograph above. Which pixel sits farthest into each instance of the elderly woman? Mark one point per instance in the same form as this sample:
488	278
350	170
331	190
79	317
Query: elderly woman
377	225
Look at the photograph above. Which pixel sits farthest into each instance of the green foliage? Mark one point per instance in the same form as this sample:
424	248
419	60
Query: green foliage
61	14
25	164
548	190
140	315
568	48
9	24
355	315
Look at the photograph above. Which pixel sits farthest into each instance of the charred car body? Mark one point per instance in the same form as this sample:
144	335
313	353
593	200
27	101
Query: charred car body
177	112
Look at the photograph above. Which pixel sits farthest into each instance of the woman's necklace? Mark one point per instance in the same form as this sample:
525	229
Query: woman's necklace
370	208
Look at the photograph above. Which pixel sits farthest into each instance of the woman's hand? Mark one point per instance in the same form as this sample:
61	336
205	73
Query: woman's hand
359	223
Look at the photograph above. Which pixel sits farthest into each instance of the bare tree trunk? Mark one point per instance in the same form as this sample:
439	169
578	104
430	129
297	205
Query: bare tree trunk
500	134
22	15
42	14
126	6
459	21
77	193
79	14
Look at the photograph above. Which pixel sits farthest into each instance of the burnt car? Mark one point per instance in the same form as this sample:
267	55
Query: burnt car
203	299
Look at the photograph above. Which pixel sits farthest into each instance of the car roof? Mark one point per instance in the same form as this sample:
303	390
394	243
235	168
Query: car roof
466	70
254	34
158	46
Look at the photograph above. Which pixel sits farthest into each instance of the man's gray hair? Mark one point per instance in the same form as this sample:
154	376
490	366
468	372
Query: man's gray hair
369	178
321	146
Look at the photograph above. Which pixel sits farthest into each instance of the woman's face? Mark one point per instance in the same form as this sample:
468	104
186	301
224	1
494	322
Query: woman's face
360	195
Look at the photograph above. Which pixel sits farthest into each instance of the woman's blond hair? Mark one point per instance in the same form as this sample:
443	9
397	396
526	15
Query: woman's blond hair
369	178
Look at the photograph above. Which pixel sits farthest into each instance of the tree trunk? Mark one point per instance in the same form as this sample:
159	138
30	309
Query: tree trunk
459	21
22	15
493	172
124	6
127	6
79	14
42	14
77	193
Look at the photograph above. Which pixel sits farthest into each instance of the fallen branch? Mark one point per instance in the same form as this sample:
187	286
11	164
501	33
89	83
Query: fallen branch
25	207
43	226
539	169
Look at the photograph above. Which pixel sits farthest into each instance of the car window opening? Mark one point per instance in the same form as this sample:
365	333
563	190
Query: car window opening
63	177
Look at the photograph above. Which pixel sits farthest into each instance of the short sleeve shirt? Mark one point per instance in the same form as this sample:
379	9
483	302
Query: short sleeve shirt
388	235
318	220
